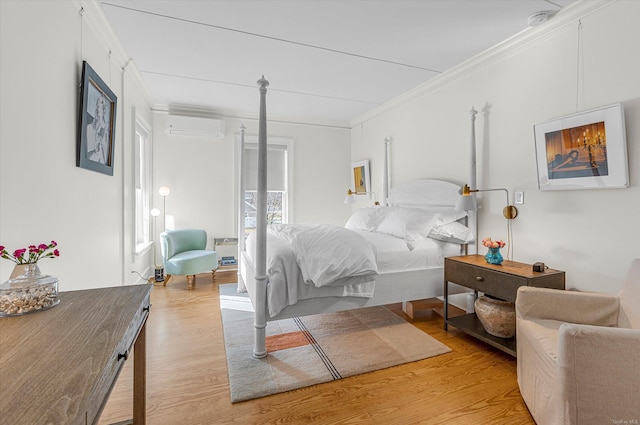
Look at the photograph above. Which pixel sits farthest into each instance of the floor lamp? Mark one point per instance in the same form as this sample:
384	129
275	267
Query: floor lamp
163	191
159	269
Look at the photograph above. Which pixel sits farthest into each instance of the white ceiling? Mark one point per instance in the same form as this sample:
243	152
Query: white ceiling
327	61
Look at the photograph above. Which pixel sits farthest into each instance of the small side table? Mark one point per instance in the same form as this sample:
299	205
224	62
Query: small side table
501	281
225	242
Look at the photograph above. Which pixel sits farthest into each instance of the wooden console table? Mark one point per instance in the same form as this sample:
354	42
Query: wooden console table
502	281
58	366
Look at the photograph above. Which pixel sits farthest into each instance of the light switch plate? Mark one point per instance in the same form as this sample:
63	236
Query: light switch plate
519	198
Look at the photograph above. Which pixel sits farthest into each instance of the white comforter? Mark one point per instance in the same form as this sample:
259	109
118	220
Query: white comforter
325	269
330	255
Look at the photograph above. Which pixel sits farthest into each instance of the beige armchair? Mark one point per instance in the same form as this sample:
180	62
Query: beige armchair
579	354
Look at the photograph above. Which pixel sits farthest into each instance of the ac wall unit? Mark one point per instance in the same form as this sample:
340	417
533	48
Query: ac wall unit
179	125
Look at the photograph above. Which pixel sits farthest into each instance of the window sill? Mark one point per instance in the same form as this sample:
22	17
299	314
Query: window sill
143	248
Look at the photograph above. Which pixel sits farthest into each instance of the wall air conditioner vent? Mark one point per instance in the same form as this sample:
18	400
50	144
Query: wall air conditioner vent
179	125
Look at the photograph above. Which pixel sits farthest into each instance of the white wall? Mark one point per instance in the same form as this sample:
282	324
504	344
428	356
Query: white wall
591	234
202	176
43	195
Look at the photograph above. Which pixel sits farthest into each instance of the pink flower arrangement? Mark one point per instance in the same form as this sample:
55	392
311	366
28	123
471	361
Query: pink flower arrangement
32	254
493	244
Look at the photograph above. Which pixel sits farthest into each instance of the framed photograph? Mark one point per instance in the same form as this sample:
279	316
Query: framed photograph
587	150
361	184
96	125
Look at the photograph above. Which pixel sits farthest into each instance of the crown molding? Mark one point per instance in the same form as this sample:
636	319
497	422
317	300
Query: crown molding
501	51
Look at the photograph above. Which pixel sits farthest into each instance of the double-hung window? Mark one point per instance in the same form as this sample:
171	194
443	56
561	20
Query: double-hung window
142	183
279	182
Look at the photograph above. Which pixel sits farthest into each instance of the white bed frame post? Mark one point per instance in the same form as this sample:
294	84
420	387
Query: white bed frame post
241	209
473	215
386	183
260	322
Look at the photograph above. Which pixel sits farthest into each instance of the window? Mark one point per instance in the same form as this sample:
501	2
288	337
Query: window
142	182
279	181
275	211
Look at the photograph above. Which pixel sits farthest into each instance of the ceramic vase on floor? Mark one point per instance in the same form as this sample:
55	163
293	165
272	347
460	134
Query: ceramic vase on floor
498	317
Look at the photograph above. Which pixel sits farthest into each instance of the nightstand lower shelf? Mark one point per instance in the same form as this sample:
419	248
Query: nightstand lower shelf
470	324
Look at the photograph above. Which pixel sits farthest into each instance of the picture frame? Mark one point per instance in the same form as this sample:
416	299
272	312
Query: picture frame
586	150
96	123
361	179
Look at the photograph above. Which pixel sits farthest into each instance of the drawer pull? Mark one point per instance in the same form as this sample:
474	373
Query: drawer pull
147	308
479	278
124	355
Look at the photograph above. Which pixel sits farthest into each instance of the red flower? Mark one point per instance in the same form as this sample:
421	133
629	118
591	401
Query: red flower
35	253
493	244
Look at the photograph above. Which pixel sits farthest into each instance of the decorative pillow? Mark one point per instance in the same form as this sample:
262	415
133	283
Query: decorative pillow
409	224
452	232
365	219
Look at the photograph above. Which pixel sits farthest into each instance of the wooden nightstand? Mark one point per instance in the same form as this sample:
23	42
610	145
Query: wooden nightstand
501	281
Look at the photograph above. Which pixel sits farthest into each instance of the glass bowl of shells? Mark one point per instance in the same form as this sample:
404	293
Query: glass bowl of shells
28	293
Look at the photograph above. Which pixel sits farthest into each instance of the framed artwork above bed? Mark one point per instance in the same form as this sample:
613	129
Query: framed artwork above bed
587	150
361	180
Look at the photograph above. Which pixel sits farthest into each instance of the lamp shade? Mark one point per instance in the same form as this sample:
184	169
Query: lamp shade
350	198
155	212
466	203
164	191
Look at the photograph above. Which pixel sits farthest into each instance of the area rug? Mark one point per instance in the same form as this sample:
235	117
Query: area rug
310	350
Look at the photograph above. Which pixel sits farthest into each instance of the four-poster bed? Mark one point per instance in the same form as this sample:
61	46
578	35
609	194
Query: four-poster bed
407	264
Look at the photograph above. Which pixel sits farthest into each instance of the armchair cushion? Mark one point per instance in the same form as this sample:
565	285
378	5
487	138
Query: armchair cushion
192	262
567	306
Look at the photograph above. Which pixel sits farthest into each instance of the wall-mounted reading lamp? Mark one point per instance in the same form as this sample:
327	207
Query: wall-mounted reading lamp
466	202
351	197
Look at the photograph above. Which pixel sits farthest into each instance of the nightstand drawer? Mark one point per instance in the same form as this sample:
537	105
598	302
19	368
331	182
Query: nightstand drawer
498	284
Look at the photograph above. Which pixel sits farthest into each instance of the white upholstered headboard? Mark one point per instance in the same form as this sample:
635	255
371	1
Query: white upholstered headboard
424	193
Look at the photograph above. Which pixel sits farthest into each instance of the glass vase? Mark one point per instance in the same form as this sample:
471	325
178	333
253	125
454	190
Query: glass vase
20	269
494	256
28	292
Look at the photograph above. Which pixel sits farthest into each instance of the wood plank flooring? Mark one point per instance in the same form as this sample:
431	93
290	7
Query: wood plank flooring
187	380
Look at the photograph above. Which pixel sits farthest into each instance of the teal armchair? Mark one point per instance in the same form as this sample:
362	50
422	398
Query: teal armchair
184	253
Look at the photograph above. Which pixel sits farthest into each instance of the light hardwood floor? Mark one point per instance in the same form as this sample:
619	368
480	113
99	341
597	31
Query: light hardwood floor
187	381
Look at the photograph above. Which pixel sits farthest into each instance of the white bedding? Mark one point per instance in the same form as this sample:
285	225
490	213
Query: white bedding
395	255
286	285
329	255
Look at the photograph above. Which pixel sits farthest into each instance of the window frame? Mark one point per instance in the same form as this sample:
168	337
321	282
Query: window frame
288	199
142	199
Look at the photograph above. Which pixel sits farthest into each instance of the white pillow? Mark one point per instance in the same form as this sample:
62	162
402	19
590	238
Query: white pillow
365	219
452	232
409	224
449	216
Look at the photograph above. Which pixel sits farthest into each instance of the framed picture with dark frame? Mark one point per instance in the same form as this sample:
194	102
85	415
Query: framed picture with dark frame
587	150
361	184
96	124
